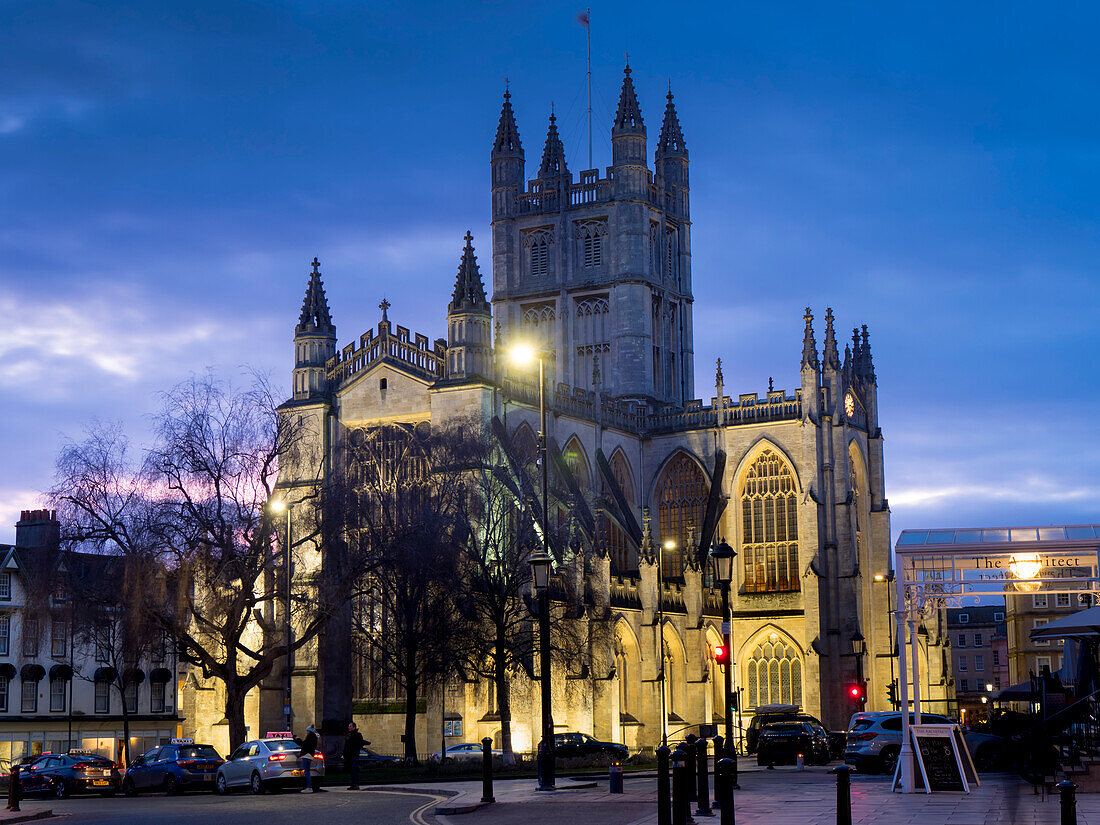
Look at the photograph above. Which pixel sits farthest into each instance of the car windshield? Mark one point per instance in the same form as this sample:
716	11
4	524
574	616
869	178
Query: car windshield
91	758
779	727
862	724
281	745
200	752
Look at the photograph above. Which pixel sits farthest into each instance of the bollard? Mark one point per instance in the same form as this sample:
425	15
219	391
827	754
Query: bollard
723	769
702	793
689	749
843	795
14	789
681	807
800	762
487	770
718	754
1069	802
664	816
615	778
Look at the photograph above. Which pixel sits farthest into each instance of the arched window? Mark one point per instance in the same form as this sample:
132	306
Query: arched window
526	445
537	243
681	496
860	505
773	673
769	520
623	558
577	462
591	235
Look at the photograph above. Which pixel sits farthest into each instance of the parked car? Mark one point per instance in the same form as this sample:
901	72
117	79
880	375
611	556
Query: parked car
62	774
780	743
463	752
173	768
370	759
874	742
764	714
572	745
262	764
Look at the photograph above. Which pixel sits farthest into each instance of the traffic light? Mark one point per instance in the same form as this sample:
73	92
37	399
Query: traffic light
892	694
857	692
721	655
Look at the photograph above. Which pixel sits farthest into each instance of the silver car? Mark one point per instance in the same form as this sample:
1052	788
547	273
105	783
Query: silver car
266	763
874	741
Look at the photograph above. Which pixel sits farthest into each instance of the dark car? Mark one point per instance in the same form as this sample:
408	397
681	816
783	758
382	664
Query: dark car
572	745
62	774
774	713
370	759
173	768
781	742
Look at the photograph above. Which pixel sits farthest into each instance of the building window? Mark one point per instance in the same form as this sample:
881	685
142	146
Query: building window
1039	600
681	496
964	618
5	635
102	697
614	539
1061	600
591	235
130	696
1042	663
774	674
769	519
997	682
103	641
962	664
670	252
30	636
57	694
964	685
996	658
962	640
1040	623
5	587
30	696
978	640
538	243
5	689
979	663
540	259
156	697
59	637
998	617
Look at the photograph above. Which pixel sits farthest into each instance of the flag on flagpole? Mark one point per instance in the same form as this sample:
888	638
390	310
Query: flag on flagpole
582	18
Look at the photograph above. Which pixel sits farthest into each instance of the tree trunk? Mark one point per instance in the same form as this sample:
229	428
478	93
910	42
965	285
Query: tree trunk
504	700
410	703
234	713
126	759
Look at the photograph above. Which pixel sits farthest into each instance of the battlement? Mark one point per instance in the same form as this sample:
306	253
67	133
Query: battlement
587	190
413	352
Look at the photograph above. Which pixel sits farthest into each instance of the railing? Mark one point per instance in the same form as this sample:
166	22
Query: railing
417	354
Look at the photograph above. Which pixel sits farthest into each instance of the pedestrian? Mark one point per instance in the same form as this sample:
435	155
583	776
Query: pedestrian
14	789
352	745
309	747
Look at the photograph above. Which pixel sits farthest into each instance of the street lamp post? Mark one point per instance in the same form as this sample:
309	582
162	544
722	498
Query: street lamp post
723	555
668	545
540	572
540	569
279	506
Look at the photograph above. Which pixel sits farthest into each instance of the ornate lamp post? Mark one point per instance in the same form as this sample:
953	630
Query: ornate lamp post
540	573
723	555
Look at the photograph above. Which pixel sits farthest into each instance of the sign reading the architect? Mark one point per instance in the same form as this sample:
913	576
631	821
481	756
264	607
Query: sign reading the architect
936	749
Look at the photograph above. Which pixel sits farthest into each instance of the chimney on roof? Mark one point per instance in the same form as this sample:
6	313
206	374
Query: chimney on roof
37	528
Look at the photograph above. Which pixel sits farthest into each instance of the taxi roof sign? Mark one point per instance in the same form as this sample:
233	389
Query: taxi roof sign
279	734
186	740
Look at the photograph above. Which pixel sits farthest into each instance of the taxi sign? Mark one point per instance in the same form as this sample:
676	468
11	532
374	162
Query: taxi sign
182	741
279	734
82	751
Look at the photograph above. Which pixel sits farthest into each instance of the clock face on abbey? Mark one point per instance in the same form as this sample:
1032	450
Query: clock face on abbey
849	405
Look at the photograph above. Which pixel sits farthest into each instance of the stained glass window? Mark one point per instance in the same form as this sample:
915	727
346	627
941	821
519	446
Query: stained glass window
769	538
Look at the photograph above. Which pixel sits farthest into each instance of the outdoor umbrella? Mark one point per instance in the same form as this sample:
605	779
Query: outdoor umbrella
1083	623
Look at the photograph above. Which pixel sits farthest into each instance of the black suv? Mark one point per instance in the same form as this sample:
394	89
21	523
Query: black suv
765	714
570	745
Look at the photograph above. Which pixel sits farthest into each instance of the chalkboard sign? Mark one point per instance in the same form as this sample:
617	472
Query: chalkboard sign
938	761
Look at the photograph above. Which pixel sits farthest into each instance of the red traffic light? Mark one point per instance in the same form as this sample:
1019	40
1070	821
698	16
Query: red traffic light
857	692
721	655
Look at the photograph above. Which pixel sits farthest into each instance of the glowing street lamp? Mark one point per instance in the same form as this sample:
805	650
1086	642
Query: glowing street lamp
722	555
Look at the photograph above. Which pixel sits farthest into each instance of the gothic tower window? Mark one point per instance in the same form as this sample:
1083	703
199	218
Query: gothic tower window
681	496
537	243
591	234
538	321
590	331
614	539
773	673
769	517
670	252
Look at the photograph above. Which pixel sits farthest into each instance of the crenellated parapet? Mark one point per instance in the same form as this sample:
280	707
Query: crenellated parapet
414	353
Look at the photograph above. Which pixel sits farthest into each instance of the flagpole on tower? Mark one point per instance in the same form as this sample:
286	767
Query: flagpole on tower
585	19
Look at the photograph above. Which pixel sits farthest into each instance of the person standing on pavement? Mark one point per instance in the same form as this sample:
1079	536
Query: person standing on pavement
352	745
309	747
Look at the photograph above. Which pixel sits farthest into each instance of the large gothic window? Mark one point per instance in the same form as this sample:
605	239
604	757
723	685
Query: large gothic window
591	235
681	496
537	243
622	556
590	331
769	519
773	673
538	323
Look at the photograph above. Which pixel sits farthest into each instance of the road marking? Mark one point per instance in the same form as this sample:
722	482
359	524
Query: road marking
417	817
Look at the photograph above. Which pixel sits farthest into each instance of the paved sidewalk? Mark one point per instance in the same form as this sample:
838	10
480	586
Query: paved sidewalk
27	813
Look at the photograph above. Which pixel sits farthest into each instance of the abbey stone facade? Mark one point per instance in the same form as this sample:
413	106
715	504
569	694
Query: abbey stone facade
597	270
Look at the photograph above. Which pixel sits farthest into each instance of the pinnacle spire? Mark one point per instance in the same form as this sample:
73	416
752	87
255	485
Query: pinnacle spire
832	357
469	294
553	153
719	380
628	117
507	139
671	141
854	364
868	366
315	317
647	550
809	345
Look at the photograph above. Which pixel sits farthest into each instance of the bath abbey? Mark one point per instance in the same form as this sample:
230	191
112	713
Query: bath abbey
594	270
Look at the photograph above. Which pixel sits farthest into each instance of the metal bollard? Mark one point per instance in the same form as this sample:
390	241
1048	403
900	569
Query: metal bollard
723	769
843	795
689	749
1069	802
664	816
615	778
681	807
718	754
487	770
702	793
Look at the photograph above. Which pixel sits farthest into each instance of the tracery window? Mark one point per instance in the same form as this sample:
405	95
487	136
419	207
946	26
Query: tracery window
591	234
590	331
769	517
614	539
537	243
671	252
773	673
538	320
681	496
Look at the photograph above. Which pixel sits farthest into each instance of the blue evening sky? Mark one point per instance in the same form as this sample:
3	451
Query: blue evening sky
168	170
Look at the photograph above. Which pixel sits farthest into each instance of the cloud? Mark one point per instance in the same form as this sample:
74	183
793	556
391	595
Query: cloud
1036	492
12	501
